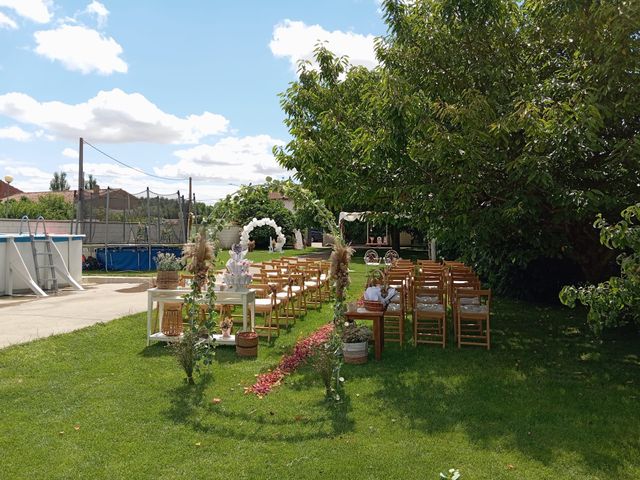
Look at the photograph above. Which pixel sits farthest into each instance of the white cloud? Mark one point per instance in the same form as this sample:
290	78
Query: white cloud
209	184
70	153
35	10
82	49
27	178
230	160
112	117
296	40
6	22
99	10
15	133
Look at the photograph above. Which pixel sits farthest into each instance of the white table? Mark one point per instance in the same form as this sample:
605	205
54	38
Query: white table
247	299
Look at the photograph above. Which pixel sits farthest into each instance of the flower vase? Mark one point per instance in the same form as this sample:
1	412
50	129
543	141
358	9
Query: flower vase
226	332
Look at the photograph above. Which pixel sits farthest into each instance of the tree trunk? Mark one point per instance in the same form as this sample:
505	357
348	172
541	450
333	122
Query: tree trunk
395	238
596	261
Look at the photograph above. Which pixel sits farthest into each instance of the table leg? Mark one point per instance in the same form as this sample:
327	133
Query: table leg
244	313
149	313
378	336
381	335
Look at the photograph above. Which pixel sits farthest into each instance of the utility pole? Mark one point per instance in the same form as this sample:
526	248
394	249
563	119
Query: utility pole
80	212
189	209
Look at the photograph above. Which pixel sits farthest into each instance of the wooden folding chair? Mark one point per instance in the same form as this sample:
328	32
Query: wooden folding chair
430	316
267	305
394	317
473	318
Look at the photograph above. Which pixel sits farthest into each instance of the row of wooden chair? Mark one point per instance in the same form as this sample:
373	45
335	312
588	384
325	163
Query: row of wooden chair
428	290
286	288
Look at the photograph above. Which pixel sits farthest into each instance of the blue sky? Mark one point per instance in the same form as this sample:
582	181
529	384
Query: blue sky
176	89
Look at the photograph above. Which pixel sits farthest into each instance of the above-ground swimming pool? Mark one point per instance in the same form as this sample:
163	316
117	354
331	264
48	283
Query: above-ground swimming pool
16	248
132	257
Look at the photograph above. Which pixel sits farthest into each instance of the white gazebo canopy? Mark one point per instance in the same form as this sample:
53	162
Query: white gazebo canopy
351	216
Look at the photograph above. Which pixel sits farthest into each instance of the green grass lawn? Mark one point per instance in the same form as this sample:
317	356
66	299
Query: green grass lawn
545	403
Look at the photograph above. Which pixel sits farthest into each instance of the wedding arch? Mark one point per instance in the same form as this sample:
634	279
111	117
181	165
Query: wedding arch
244	236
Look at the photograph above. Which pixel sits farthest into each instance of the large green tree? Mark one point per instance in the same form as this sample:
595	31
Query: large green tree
503	127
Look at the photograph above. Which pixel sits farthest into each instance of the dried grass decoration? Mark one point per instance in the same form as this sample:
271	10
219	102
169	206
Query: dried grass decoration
199	257
340	258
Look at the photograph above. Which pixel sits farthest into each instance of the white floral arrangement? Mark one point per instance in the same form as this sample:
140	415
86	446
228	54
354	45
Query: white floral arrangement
244	236
237	275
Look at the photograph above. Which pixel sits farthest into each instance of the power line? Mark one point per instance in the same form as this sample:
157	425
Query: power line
129	166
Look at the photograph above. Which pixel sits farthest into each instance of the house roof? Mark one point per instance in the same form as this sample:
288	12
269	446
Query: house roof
7	190
117	196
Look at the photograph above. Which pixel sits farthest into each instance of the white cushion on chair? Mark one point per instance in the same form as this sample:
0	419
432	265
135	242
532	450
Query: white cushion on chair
426	298
469	301
393	307
430	307
474	308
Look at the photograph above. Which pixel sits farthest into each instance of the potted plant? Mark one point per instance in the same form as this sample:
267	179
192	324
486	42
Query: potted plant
355	343
226	325
168	266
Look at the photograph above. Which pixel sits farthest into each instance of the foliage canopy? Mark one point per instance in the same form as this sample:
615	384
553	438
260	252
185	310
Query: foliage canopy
59	182
501	127
51	206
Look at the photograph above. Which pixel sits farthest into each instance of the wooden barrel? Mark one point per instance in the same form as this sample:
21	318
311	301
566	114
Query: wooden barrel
247	344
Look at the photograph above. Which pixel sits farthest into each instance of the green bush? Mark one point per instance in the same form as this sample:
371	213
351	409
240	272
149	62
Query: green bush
615	302
51	206
252	201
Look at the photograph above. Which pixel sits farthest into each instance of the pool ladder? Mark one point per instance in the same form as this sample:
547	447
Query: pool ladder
42	258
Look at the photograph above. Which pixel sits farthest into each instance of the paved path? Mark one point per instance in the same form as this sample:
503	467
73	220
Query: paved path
23	319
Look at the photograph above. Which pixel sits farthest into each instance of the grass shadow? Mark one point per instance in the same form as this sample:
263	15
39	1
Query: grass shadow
188	399
543	394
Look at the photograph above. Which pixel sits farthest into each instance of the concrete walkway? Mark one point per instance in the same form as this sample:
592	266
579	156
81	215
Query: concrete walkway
23	319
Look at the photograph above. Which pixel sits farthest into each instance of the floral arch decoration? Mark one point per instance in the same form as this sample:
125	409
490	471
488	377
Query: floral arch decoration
244	236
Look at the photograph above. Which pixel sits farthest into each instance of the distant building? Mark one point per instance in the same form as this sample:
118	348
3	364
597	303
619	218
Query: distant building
286	201
119	199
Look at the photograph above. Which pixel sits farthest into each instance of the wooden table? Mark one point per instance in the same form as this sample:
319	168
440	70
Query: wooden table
227	297
378	326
